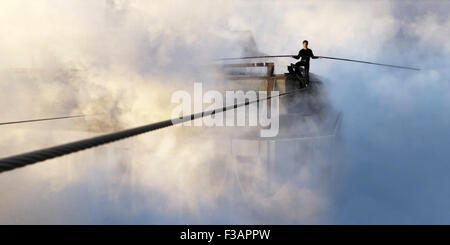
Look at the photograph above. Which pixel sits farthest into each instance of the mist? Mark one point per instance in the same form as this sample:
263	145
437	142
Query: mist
123	60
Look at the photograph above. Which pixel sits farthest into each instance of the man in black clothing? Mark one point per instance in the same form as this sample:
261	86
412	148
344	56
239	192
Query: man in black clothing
305	54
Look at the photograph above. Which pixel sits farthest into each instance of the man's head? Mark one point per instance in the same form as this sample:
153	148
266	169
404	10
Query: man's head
305	44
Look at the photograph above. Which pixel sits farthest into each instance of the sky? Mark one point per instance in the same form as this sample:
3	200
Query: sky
123	59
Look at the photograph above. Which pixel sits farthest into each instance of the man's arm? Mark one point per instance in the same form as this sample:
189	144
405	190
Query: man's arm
297	56
315	57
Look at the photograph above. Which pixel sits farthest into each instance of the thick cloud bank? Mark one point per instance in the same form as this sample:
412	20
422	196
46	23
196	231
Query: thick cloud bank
123	59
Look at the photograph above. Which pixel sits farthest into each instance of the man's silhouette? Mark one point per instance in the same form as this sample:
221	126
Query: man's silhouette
305	54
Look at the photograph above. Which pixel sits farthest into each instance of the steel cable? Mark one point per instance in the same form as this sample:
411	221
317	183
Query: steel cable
20	160
325	57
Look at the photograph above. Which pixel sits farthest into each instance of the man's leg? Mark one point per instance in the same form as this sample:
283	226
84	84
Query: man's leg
307	72
298	72
297	67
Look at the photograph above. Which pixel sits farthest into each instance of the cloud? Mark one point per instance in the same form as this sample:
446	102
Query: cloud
124	58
